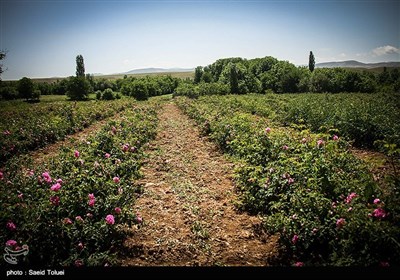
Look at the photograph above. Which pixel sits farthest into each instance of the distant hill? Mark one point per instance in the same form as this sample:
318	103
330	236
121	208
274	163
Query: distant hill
158	70
356	64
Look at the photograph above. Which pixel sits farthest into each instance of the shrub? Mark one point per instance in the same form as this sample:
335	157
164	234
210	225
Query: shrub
8	93
108	94
70	211
25	88
78	88
321	200
98	95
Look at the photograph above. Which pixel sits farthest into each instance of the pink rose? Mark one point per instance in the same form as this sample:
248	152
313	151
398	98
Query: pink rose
268	130
295	239
285	147
377	201
116	179
299	264
80	246
11	226
78	263
379	213
11	243
46	177
350	197
55	200
335	138
117	210
56	187
91	202
107	155
76	153
320	142
59	181
67	221
340	223
79	219
110	219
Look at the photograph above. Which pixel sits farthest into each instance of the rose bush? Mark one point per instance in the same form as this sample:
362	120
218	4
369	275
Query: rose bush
24	128
321	200
69	210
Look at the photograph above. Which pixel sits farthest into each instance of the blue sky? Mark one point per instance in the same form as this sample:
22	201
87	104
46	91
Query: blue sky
43	37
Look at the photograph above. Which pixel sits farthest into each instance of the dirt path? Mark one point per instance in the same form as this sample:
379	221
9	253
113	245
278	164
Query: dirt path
41	155
188	205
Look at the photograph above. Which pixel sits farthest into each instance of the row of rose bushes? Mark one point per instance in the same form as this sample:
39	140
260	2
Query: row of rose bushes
76	208
24	128
321	200
368	120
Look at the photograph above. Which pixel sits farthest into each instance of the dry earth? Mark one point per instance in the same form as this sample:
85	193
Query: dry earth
188	205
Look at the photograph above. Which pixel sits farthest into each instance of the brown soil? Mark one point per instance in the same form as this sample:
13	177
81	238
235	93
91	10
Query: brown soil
188	205
378	164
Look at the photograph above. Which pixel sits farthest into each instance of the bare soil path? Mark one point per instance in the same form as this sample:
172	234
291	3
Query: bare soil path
188	205
42	154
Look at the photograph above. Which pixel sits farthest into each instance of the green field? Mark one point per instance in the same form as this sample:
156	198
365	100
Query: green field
294	168
321	199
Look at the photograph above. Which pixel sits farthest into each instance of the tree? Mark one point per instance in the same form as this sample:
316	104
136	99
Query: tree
283	77
78	88
233	79
311	62
80	66
25	88
207	77
2	56
139	90
198	72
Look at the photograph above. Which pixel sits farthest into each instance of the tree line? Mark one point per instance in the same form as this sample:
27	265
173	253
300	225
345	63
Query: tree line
80	86
261	75
228	75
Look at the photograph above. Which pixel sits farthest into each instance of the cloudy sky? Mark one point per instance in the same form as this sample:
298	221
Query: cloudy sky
43	37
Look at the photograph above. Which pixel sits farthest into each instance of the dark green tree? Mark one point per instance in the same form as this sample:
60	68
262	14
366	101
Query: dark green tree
207	76
198	72
311	62
80	66
233	79
25	88
2	56
78	88
139	90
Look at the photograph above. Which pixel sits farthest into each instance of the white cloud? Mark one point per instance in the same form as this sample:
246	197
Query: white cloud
342	55
385	50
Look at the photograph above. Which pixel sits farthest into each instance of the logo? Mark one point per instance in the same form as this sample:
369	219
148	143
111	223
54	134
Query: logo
10	255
